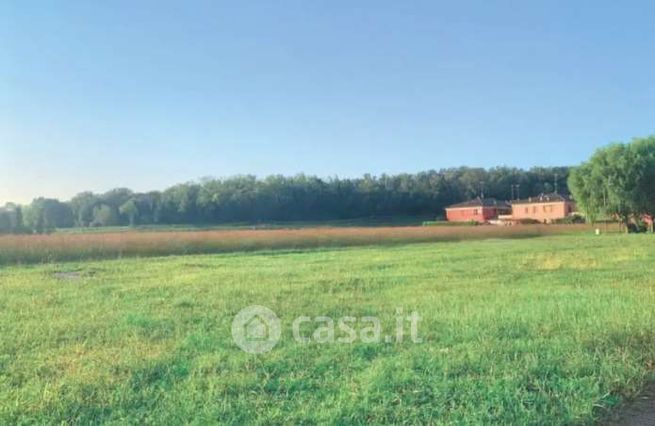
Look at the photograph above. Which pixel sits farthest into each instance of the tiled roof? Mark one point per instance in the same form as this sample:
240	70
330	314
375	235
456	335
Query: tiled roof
480	202
543	198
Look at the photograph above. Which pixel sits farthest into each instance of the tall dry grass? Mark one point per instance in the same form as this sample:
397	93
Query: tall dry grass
62	247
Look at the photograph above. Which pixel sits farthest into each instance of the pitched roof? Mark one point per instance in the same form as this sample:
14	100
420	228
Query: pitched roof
544	198
480	202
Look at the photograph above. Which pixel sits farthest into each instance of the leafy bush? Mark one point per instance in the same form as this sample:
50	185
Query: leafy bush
528	221
637	227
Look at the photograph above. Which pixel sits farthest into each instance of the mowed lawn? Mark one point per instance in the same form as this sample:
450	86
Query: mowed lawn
550	330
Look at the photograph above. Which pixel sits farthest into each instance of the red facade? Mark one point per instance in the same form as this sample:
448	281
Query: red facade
468	214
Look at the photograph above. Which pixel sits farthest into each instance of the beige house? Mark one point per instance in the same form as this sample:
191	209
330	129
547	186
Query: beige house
544	208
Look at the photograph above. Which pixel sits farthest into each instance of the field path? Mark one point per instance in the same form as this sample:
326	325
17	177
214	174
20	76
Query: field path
640	412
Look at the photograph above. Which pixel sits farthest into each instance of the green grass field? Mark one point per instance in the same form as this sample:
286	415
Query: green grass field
549	330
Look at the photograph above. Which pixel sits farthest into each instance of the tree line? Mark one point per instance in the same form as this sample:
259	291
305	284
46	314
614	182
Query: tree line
618	182
281	198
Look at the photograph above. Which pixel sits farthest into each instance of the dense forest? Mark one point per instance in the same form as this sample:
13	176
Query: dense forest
280	198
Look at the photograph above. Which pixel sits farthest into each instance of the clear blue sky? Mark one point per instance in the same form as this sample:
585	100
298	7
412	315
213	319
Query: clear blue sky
145	94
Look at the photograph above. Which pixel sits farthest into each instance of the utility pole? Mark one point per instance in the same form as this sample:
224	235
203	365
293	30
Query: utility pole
515	191
556	186
482	189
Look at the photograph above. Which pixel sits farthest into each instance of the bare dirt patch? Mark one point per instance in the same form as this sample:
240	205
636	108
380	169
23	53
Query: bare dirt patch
639	412
68	276
73	275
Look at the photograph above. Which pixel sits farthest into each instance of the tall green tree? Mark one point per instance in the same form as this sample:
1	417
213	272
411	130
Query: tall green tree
82	206
644	192
105	215
46	214
617	181
11	219
130	210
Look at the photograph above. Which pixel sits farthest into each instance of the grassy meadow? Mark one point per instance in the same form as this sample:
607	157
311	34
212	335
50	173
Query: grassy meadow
135	243
550	330
366	222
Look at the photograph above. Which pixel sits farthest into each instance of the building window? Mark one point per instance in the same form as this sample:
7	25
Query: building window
475	212
526	210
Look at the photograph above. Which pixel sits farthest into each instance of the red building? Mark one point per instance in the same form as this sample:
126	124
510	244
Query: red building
479	210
